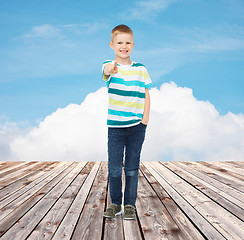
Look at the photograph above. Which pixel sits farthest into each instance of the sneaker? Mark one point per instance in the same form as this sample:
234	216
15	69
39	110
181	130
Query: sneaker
129	212
112	211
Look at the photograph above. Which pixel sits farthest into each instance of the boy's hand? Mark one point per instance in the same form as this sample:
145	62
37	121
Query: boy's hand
111	68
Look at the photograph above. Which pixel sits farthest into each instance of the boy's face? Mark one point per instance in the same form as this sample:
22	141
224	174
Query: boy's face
122	44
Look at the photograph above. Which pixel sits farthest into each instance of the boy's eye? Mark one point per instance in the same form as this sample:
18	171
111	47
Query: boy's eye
122	43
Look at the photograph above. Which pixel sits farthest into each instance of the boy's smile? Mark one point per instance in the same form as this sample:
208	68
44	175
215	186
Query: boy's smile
122	44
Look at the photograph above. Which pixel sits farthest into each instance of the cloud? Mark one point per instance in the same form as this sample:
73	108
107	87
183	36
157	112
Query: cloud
9	131
43	31
184	128
85	28
77	132
181	128
185	45
63	31
55	50
146	10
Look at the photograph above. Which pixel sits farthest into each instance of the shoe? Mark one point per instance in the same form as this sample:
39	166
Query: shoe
129	212
112	211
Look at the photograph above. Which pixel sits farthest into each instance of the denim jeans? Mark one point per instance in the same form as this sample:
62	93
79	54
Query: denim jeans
124	149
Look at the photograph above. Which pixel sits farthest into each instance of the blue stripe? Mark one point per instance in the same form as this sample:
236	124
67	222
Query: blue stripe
127	83
122	123
126	93
124	114
148	85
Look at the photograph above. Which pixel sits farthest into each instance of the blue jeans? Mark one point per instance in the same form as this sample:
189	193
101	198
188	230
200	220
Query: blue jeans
124	144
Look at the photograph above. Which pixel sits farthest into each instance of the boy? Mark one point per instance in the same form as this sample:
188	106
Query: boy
128	116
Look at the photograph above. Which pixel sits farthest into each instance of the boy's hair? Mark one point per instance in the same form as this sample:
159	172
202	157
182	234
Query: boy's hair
120	29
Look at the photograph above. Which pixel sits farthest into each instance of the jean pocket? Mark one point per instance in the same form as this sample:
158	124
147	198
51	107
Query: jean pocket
144	125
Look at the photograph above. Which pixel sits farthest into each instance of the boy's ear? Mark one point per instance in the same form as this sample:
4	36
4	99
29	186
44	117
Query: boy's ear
111	44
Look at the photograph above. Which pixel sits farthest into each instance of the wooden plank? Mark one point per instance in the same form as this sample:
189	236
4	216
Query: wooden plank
202	224
156	222
229	167
17	173
113	228
227	224
195	193
214	193
119	228
35	173
6	166
15	200
188	230
68	224
214	166
17	210
92	214
224	190
222	177
28	222
49	224
239	164
131	228
15	169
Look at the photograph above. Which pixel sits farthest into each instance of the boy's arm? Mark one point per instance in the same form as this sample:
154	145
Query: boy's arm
145	118
109	69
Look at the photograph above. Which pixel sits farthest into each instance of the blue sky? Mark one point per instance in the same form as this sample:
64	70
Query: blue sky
51	52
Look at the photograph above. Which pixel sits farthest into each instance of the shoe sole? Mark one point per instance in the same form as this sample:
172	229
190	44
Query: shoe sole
127	218
116	214
119	213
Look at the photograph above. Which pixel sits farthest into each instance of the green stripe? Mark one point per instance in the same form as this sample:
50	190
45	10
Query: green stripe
127	83
107	61
122	123
137	65
126	93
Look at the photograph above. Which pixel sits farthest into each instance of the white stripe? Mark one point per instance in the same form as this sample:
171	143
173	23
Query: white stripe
125	109
126	99
126	88
122	118
147	81
129	77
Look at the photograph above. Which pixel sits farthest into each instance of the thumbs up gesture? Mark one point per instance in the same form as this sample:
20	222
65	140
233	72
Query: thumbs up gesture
111	68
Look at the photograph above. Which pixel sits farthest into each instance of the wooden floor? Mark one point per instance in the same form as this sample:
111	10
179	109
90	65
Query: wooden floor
176	200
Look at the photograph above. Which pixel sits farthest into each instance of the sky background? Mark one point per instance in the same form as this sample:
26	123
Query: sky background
51	53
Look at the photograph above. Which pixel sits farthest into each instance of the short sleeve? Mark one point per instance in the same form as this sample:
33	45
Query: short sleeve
103	76
148	81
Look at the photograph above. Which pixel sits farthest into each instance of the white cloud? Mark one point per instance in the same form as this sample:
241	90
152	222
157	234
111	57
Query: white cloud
84	28
184	128
62	31
146	10
55	50
77	132
43	31
181	128
8	133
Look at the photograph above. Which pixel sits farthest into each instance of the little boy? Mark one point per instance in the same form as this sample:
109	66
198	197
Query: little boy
128	116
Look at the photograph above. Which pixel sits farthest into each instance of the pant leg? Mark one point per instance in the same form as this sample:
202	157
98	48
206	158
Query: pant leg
134	143
116	144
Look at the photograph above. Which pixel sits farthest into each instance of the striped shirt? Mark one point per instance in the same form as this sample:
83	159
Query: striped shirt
126	90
